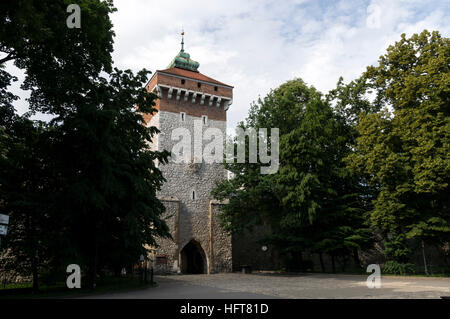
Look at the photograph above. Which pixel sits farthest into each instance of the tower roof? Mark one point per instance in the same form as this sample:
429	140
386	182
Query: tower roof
192	75
183	60
183	67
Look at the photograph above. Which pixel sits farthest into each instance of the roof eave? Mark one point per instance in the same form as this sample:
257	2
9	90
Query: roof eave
185	77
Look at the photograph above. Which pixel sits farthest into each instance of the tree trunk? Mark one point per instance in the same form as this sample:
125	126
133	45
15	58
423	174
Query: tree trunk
333	265
321	262
94	268
356	258
424	259
296	263
35	275
33	251
301	264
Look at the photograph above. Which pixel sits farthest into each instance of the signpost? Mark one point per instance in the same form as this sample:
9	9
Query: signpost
4	221
3	230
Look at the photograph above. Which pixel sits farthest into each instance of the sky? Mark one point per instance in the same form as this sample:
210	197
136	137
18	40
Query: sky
256	46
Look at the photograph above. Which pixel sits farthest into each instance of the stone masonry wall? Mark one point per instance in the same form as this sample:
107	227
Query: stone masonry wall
221	242
184	179
165	257
247	250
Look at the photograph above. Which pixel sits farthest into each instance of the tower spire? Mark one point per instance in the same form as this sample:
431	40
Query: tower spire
182	40
183	60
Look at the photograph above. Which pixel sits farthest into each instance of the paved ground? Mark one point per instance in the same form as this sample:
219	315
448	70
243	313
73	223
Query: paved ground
250	286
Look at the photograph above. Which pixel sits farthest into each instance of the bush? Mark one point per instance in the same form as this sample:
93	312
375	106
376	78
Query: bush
308	265
396	268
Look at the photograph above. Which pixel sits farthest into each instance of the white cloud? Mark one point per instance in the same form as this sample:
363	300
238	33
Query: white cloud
258	45
374	14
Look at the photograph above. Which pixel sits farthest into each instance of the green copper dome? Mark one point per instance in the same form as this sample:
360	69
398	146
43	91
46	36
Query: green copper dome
183	60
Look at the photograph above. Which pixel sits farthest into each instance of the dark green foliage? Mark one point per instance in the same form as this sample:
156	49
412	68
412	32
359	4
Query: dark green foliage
404	151
110	178
395	268
81	188
25	194
378	158
312	203
59	62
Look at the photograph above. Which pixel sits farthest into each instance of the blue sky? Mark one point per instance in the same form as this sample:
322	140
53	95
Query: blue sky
258	45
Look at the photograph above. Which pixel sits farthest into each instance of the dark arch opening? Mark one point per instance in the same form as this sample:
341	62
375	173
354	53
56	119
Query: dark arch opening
193	258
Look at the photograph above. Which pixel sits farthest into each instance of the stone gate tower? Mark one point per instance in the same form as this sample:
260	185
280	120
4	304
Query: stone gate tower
187	98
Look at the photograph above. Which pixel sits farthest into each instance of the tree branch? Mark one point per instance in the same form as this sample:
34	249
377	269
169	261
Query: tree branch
9	57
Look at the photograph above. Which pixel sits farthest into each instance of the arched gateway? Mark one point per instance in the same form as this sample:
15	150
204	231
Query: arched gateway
193	258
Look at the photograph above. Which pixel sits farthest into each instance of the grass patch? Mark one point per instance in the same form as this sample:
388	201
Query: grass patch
15	286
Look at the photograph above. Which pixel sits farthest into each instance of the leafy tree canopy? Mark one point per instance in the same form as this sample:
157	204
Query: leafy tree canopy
404	148
81	188
312	202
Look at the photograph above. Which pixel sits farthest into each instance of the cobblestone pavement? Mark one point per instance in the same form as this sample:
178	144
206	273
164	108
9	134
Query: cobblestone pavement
249	286
322	285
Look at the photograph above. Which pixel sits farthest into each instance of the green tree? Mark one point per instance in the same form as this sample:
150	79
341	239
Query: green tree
59	61
86	179
24	181
108	174
312	202
404	148
25	194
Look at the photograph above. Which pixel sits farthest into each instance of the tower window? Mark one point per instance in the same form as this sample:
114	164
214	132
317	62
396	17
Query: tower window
182	116
193	195
182	81
204	119
215	88
199	84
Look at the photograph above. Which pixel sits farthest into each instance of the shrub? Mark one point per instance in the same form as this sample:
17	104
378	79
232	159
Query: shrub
396	268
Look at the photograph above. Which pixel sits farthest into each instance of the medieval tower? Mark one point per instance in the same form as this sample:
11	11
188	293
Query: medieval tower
190	100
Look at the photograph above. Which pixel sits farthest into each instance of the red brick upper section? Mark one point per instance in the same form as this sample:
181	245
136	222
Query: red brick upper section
191	81
192	75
